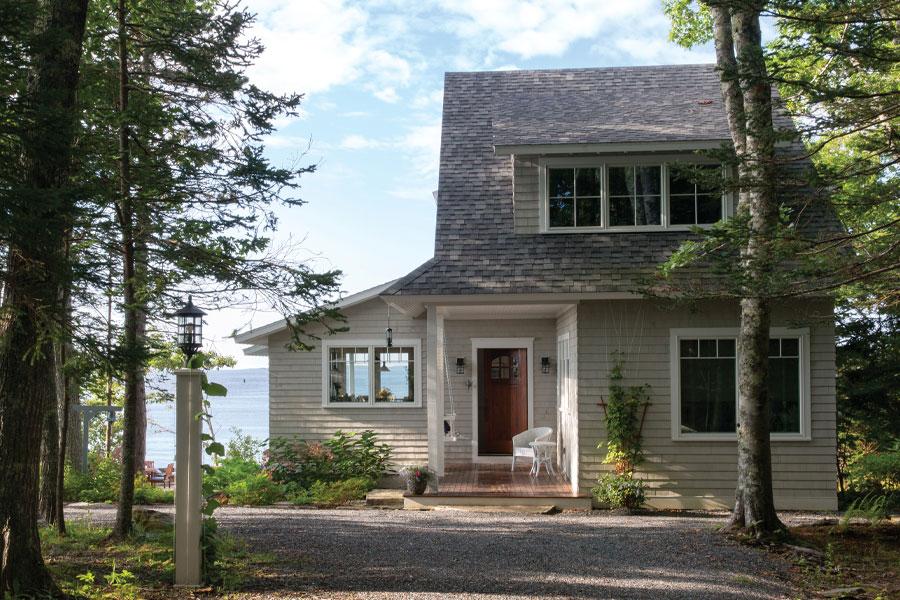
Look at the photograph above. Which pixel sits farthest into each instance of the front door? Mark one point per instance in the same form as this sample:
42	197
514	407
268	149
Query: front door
502	398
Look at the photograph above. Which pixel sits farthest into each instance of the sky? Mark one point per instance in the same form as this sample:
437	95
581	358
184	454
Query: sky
372	74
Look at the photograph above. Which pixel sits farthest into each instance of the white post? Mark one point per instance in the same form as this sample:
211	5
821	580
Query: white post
188	484
435	381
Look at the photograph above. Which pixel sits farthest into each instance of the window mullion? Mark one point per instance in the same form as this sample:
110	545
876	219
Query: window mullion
371	375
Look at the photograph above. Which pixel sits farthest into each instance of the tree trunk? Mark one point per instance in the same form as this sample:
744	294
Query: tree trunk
50	445
132	352
73	436
32	287
748	104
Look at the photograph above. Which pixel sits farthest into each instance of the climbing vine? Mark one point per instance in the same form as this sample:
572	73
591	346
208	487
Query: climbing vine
624	420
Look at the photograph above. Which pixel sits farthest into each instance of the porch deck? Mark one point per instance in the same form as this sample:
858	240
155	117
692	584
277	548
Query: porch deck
497	486
498	480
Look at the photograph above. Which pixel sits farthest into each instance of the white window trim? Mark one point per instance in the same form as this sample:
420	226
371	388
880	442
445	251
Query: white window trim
371	344
676	335
603	163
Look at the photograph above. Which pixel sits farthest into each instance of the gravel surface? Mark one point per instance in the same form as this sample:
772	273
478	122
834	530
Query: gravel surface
441	554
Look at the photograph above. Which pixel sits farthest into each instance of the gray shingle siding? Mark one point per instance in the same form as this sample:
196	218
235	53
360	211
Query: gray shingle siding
483	247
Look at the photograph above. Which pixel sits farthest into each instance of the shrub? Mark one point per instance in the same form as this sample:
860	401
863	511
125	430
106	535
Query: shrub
876	472
334	493
230	470
99	484
619	491
147	493
623	421
344	456
255	490
243	446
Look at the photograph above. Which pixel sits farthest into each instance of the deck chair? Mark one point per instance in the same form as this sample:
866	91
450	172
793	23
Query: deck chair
521	442
169	475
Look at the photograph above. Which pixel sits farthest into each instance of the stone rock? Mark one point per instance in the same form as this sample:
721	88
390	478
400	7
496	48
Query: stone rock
152	520
845	592
808	553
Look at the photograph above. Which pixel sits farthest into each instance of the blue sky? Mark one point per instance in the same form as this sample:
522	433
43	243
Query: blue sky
373	73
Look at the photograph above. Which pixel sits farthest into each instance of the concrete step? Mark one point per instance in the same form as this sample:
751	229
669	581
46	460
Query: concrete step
385	498
482	503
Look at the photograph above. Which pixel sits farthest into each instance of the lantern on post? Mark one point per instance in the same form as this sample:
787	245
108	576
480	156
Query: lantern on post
190	328
188	449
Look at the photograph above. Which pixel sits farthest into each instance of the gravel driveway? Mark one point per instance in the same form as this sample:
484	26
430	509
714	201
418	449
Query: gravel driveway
441	554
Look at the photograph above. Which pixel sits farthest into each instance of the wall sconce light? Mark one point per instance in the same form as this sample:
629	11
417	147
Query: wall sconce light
460	366
545	364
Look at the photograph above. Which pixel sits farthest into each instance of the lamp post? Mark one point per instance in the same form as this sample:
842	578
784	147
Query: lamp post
188	448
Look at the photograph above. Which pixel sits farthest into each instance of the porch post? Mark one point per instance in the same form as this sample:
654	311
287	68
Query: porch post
435	386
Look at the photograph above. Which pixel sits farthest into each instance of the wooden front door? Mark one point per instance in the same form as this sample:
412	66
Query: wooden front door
502	398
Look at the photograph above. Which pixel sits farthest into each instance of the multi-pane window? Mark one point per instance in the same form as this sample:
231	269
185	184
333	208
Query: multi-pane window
635	196
630	196
707	392
708	379
574	197
361	375
695	196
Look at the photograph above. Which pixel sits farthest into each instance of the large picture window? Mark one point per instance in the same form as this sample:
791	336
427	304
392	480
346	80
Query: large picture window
705	389
581	193
361	374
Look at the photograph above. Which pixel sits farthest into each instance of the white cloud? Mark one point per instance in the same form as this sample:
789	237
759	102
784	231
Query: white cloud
315	45
387	94
529	28
359	142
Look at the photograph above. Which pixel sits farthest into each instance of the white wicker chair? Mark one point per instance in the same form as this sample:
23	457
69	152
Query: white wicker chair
521	442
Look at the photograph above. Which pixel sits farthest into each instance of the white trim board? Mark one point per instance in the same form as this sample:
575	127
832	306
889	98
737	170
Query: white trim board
675	335
477	344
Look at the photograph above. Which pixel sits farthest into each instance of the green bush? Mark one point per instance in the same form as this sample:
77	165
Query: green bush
334	493
344	456
619	491
147	493
99	484
876	472
230	470
255	490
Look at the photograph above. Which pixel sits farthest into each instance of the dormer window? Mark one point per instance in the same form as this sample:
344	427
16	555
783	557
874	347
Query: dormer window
575	197
590	194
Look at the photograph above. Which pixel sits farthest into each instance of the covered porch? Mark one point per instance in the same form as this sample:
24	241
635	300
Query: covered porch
493	371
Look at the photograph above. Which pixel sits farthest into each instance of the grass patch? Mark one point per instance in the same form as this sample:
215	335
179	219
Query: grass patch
861	555
87	565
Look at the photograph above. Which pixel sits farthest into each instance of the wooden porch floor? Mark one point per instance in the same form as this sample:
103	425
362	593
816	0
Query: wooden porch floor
498	480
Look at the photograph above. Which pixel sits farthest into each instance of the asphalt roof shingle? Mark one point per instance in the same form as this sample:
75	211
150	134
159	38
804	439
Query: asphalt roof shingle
477	250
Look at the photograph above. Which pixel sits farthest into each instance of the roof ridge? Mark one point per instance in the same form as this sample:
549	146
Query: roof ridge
583	69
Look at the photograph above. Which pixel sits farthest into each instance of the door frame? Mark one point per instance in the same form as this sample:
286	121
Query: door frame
478	343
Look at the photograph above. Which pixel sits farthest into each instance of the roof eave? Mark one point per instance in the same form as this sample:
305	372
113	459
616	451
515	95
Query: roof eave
610	147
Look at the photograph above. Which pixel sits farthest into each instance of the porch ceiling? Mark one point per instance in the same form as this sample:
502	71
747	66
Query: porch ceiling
503	311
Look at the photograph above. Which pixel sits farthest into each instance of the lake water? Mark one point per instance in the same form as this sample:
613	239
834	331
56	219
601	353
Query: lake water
246	407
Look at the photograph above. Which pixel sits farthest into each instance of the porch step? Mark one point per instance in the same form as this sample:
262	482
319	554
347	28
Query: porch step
493	503
385	498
